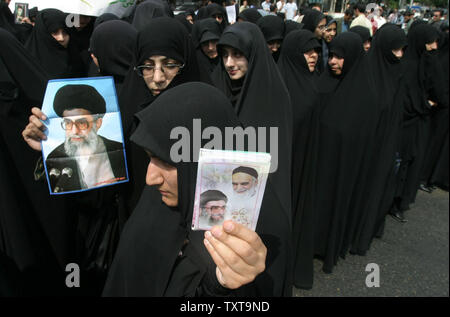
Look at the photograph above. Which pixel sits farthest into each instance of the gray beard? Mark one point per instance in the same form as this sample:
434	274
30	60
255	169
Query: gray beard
245	195
86	147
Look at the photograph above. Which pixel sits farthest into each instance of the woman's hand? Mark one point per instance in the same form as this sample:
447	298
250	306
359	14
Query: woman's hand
238	252
34	131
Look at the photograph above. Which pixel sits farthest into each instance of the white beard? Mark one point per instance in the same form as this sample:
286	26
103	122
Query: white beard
94	167
87	147
248	194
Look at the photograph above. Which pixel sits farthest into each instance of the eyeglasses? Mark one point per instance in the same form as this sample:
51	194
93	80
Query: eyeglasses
166	68
81	124
216	208
321	27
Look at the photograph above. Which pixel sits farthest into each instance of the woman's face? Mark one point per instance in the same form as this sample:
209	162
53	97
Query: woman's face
61	37
274	45
398	53
318	32
431	46
235	62
209	48
218	17
160	73
311	58
336	64
165	177
330	32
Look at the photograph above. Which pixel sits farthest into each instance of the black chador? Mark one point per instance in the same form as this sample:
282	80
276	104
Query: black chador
158	243
304	93
424	81
113	44
58	61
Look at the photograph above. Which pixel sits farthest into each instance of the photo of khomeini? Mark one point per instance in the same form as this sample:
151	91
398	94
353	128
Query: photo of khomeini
85	159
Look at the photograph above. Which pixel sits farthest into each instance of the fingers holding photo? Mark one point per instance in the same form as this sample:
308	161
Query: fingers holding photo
236	249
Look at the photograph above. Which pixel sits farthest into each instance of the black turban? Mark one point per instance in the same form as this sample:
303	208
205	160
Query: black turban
79	96
211	195
247	170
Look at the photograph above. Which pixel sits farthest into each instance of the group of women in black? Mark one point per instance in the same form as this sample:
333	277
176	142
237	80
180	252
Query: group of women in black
350	140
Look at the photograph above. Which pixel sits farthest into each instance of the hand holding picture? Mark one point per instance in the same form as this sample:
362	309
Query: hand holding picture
238	252
34	132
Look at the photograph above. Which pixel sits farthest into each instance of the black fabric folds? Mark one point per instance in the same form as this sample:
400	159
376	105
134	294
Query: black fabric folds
113	44
205	30
213	9
148	10
362	31
250	15
435	171
302	86
174	42
146	267
182	18
312	19
59	62
7	19
386	72
34	234
105	17
262	100
272	27
345	148
291	26
424	81
340	148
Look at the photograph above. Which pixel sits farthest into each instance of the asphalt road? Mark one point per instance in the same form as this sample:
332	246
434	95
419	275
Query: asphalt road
412	257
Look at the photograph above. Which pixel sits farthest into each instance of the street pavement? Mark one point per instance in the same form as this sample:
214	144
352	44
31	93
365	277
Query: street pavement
413	257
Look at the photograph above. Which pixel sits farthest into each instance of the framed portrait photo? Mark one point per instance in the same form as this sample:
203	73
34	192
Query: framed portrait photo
230	186
84	149
20	12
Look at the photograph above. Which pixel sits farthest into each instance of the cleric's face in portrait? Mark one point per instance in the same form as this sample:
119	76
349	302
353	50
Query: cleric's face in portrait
244	184
215	210
81	131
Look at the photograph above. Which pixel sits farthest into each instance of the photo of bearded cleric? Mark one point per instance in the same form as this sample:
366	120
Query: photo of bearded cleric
85	142
213	205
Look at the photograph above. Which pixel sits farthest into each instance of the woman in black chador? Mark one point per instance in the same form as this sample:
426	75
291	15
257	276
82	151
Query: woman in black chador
273	29
297	64
171	47
205	35
425	90
159	255
250	78
385	68
34	227
51	44
148	10
340	149
112	49
435	169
